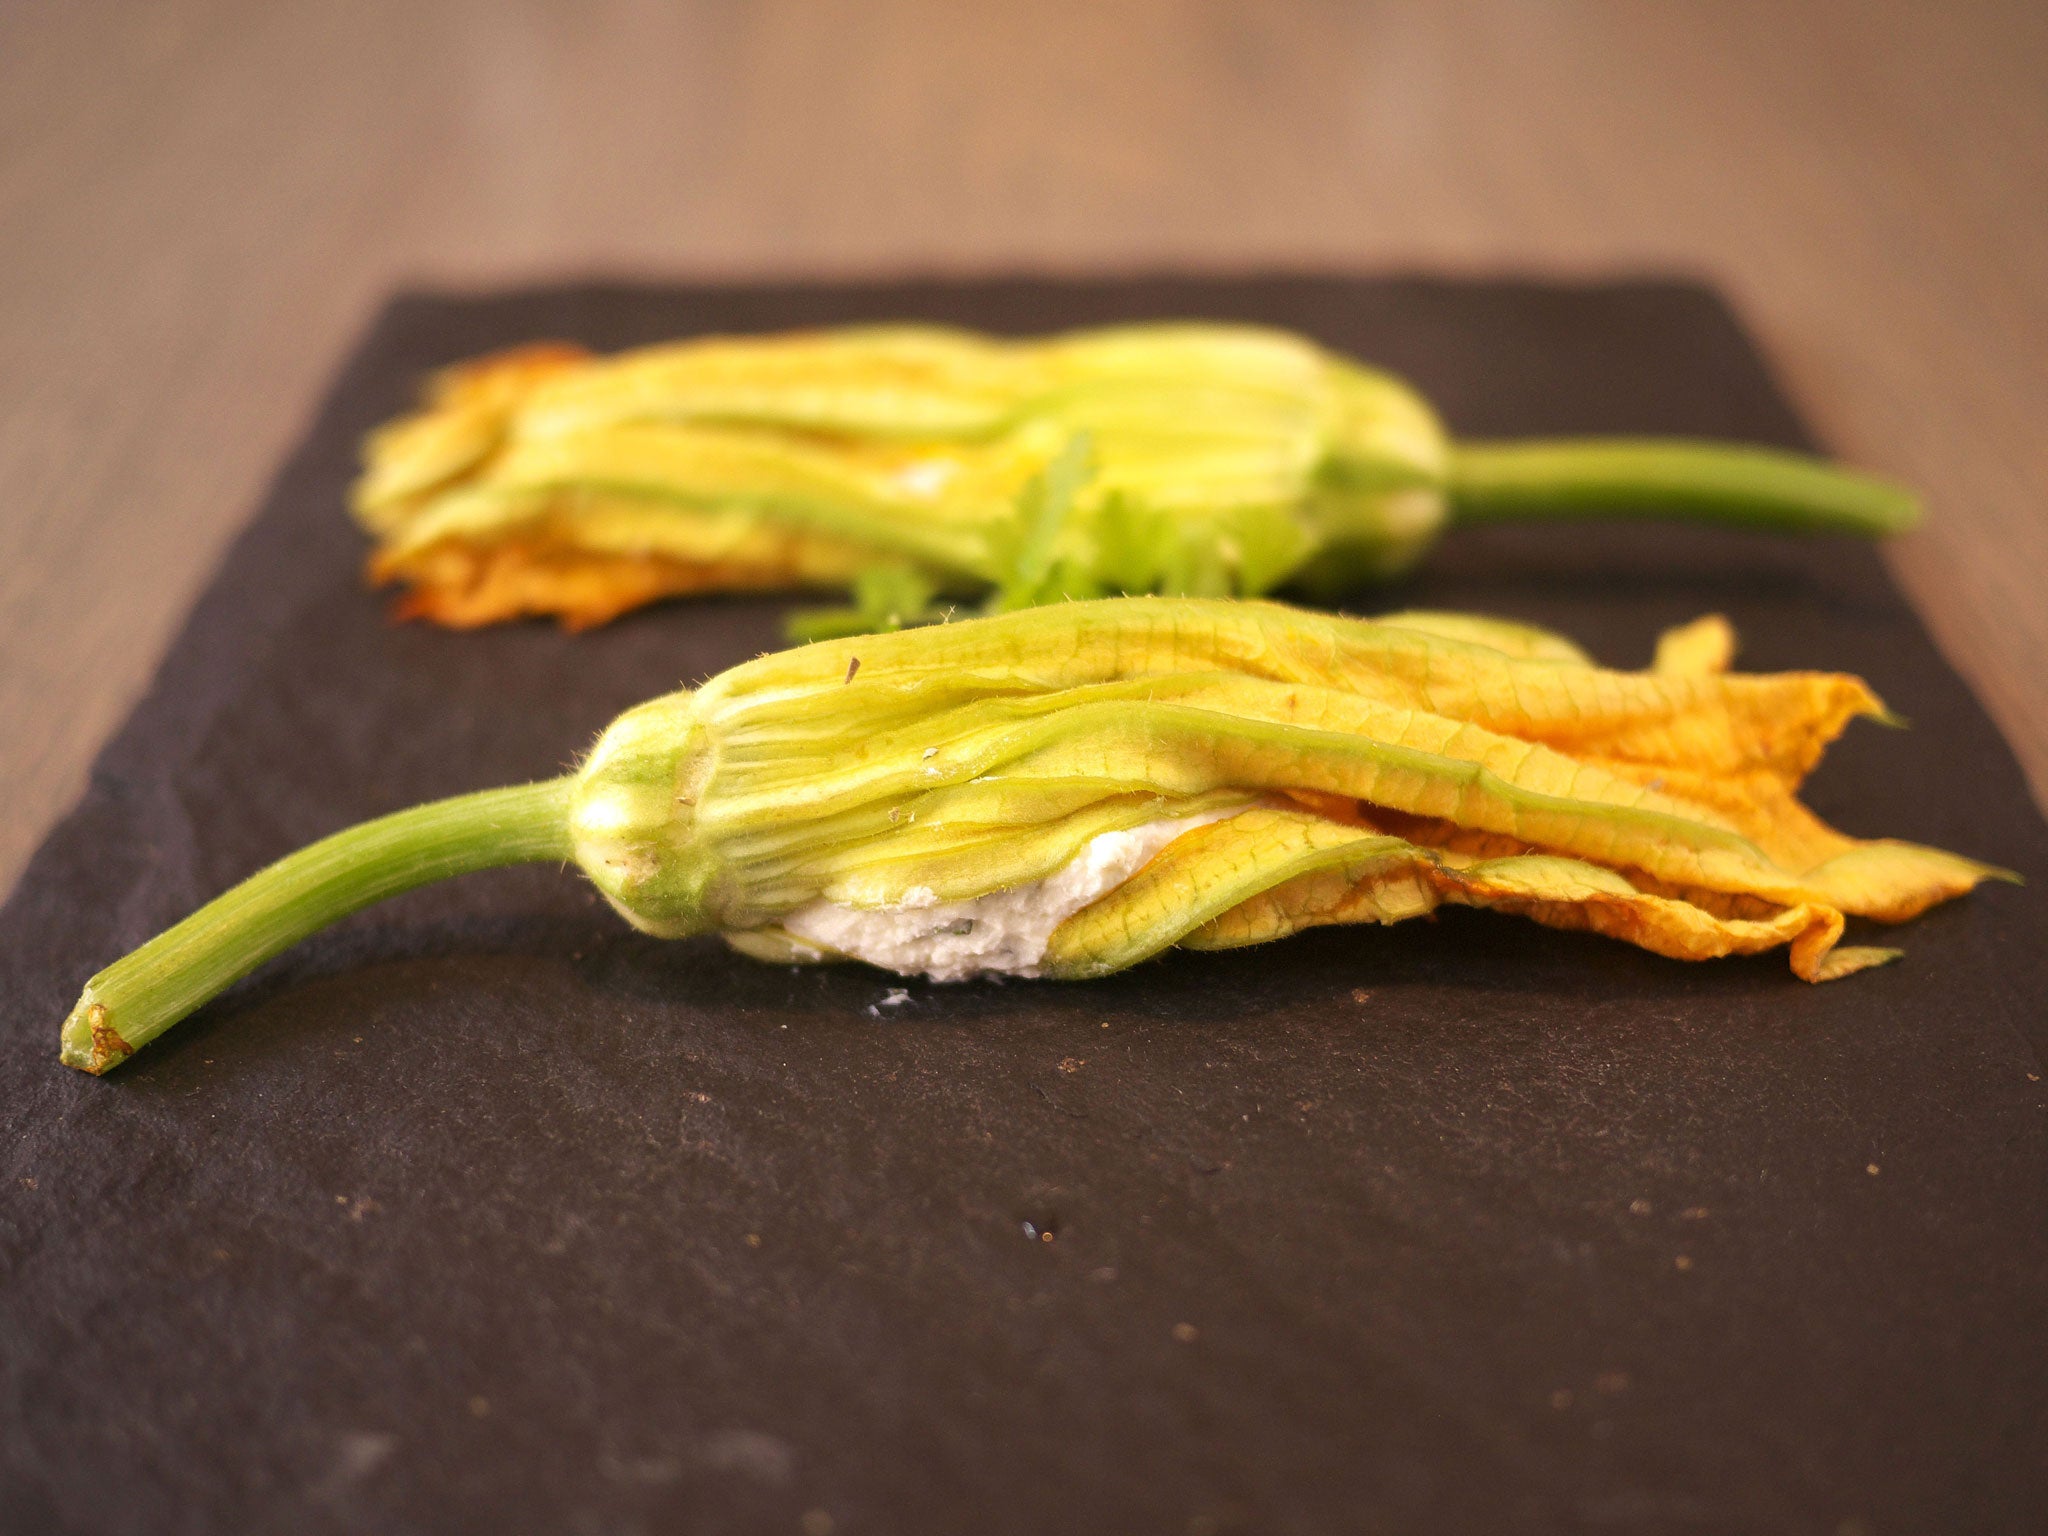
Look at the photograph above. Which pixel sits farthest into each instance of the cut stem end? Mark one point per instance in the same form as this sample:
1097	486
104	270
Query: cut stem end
144	993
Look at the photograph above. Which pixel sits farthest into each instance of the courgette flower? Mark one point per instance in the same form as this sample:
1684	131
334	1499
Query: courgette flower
1066	791
916	465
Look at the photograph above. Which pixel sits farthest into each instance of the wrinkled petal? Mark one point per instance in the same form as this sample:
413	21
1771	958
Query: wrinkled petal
1268	873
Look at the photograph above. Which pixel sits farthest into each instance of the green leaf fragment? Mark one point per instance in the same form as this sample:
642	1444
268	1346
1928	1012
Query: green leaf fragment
886	598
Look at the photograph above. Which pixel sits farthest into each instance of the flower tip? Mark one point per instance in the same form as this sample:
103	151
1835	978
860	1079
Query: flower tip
1851	958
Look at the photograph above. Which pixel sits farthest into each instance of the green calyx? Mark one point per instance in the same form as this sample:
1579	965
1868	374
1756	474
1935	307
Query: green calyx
632	818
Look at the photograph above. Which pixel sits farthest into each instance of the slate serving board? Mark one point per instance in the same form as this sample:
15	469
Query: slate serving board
482	1213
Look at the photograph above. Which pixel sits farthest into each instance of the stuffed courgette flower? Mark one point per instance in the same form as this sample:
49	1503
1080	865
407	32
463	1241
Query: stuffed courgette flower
911	461
1069	790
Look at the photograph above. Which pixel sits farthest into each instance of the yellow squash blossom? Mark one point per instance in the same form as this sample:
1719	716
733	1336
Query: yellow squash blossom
909	461
1068	790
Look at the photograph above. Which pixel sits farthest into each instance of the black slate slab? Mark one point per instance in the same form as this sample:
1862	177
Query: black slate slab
482	1213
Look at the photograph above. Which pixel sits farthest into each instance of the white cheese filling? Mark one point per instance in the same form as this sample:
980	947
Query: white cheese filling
1001	934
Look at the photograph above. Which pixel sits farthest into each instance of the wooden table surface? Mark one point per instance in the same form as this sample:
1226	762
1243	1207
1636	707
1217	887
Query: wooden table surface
201	204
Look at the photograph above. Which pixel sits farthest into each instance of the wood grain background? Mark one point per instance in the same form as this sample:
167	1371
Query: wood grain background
202	202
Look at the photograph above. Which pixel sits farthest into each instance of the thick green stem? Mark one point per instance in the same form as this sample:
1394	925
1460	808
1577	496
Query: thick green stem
1672	477
143	994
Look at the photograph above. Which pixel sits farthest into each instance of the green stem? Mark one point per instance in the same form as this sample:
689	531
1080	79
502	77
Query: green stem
1672	477
143	994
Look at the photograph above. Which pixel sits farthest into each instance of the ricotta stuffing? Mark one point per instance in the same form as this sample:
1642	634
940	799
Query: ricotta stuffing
1001	934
